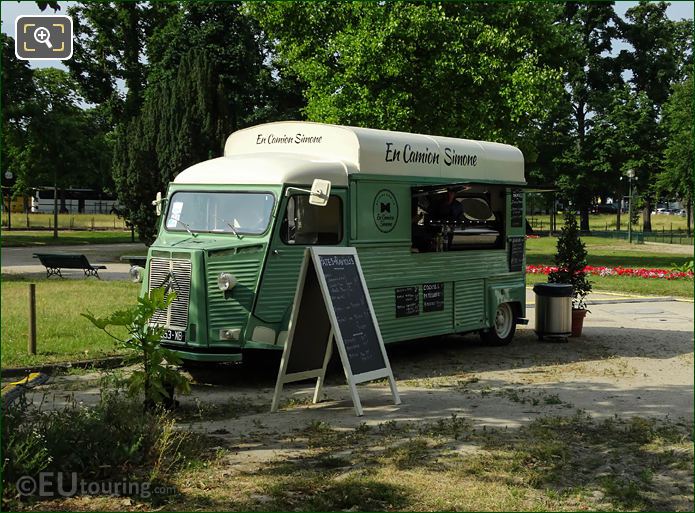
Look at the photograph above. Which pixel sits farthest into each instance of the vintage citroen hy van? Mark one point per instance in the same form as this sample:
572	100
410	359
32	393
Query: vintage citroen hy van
437	223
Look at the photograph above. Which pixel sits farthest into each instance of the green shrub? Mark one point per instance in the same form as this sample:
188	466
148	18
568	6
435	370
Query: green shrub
686	267
570	260
158	376
114	439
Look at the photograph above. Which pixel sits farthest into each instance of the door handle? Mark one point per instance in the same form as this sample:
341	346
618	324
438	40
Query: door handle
276	252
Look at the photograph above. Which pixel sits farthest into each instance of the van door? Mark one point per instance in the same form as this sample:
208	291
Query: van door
299	225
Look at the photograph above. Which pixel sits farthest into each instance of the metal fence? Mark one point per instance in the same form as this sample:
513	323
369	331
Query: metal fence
672	236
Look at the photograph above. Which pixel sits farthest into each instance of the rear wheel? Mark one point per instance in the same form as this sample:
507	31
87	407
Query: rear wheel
503	327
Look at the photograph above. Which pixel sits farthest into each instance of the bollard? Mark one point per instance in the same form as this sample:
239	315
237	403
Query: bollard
31	340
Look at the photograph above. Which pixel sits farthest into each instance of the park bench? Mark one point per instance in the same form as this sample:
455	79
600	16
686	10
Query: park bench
55	262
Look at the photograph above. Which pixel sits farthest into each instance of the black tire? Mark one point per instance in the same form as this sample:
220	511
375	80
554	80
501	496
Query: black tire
504	326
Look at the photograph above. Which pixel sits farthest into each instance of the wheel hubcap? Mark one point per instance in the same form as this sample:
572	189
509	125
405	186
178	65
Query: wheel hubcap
503	320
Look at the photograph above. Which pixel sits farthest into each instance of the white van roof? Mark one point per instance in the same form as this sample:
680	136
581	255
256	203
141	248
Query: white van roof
333	152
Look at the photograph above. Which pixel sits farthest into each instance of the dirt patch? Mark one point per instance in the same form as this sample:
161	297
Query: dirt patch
602	422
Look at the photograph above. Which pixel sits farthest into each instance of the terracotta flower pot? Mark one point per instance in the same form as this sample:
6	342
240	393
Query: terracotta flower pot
578	315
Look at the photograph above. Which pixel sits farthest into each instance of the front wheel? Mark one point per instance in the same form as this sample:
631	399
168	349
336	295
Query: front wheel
504	325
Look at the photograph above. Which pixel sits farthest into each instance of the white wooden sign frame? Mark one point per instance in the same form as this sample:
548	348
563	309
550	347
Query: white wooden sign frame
312	254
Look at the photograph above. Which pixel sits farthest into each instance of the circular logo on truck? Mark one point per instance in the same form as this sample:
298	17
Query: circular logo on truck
385	210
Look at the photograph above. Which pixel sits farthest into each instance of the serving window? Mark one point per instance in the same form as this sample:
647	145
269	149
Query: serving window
457	217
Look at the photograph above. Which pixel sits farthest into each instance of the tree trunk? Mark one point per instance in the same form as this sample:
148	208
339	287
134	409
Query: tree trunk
584	219
647	216
617	218
689	216
63	208
55	210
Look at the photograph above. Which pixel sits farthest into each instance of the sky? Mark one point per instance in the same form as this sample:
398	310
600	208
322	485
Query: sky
11	9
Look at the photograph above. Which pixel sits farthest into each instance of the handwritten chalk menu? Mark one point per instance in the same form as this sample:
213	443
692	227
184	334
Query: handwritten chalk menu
433	297
407	301
352	312
332	303
516	253
517	208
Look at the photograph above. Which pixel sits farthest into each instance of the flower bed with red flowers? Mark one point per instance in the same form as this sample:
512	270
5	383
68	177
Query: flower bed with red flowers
666	274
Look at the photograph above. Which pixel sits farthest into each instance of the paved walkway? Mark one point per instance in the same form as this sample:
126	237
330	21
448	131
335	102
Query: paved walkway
20	260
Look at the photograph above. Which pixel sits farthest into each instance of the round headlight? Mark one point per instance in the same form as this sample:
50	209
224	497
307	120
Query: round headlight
136	273
226	281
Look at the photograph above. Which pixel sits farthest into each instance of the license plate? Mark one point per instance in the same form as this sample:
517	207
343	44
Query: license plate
174	335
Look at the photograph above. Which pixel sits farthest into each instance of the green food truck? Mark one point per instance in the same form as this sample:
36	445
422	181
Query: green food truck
437	222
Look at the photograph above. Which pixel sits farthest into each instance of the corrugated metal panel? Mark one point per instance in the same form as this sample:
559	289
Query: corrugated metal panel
278	284
232	311
404	328
470	304
386	269
398	265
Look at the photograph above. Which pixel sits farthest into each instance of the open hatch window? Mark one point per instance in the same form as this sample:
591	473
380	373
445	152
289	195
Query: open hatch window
457	217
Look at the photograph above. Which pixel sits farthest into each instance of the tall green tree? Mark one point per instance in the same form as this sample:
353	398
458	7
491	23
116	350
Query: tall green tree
660	51
621	132
184	120
591	73
677	175
473	70
238	49
17	86
64	145
17	92
113	47
208	75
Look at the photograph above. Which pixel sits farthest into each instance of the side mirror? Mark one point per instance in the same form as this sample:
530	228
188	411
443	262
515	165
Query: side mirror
320	191
158	203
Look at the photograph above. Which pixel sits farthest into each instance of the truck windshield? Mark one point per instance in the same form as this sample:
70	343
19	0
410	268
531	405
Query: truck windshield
220	212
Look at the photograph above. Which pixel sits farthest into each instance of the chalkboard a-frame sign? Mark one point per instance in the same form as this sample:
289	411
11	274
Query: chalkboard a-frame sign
332	303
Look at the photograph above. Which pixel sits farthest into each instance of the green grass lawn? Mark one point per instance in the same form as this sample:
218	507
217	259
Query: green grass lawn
65	238
614	253
65	221
62	333
611	253
631	285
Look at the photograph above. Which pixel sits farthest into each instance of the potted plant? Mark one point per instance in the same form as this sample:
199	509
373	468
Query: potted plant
570	261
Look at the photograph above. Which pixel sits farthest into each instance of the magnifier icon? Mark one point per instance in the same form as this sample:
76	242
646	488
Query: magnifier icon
42	35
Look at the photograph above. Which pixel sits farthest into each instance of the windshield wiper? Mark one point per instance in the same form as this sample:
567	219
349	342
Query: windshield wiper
188	228
230	226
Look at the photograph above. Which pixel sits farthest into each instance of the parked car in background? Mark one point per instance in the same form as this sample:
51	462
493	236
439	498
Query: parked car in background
682	212
608	208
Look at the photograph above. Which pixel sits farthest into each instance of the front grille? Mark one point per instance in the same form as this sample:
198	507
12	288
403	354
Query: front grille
174	275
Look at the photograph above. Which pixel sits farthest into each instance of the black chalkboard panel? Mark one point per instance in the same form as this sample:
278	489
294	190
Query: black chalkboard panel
352	313
517	208
433	297
312	328
407	301
516	253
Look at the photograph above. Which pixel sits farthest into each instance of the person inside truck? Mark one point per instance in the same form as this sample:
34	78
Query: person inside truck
445	207
421	236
